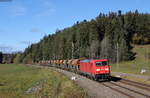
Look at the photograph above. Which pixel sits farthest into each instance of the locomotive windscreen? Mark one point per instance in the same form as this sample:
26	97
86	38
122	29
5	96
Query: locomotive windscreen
103	63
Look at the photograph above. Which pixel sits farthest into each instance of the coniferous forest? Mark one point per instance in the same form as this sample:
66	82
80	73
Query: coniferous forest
101	37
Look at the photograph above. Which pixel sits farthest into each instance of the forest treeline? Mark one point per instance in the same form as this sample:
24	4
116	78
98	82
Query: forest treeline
102	37
6	58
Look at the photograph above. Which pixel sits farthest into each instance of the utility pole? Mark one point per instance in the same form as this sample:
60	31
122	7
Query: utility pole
106	50
117	56
72	50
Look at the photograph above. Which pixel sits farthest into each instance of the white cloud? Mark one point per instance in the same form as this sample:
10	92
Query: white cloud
35	30
47	8
26	42
18	10
6	48
46	12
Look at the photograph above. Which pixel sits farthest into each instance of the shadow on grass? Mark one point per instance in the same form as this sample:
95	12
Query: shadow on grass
2	84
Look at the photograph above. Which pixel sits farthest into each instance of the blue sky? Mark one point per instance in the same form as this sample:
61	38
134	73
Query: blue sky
23	22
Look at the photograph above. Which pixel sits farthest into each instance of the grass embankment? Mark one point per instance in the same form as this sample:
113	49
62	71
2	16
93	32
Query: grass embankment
136	65
15	80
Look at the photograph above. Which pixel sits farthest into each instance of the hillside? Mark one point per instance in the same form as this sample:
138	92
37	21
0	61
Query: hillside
135	66
101	37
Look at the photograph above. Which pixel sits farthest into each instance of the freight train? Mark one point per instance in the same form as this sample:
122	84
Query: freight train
98	69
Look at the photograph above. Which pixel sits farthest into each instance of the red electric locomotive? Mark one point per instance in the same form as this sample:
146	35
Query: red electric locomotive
96	69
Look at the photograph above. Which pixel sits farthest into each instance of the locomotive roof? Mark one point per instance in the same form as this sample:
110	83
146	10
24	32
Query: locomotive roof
88	60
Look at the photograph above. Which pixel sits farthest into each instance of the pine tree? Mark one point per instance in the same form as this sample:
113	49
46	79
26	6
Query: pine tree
1	57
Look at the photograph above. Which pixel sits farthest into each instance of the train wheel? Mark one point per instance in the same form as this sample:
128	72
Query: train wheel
95	79
109	78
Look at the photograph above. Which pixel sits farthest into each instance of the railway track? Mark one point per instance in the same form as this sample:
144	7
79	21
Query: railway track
136	84
119	91
116	86
127	91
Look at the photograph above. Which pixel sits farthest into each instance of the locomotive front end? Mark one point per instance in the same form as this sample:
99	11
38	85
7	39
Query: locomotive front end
101	69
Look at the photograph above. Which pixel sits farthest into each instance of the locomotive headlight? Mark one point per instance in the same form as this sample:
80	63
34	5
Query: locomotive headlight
107	69
97	69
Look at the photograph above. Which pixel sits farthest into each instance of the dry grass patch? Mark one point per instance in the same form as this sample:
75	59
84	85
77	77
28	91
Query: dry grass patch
15	80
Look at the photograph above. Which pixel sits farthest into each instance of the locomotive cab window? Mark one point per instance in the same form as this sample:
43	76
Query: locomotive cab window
101	63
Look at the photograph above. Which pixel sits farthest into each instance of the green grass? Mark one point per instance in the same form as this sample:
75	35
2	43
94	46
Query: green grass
136	65
15	80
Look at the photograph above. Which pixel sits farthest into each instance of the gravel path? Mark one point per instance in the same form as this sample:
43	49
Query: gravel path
94	89
132	75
